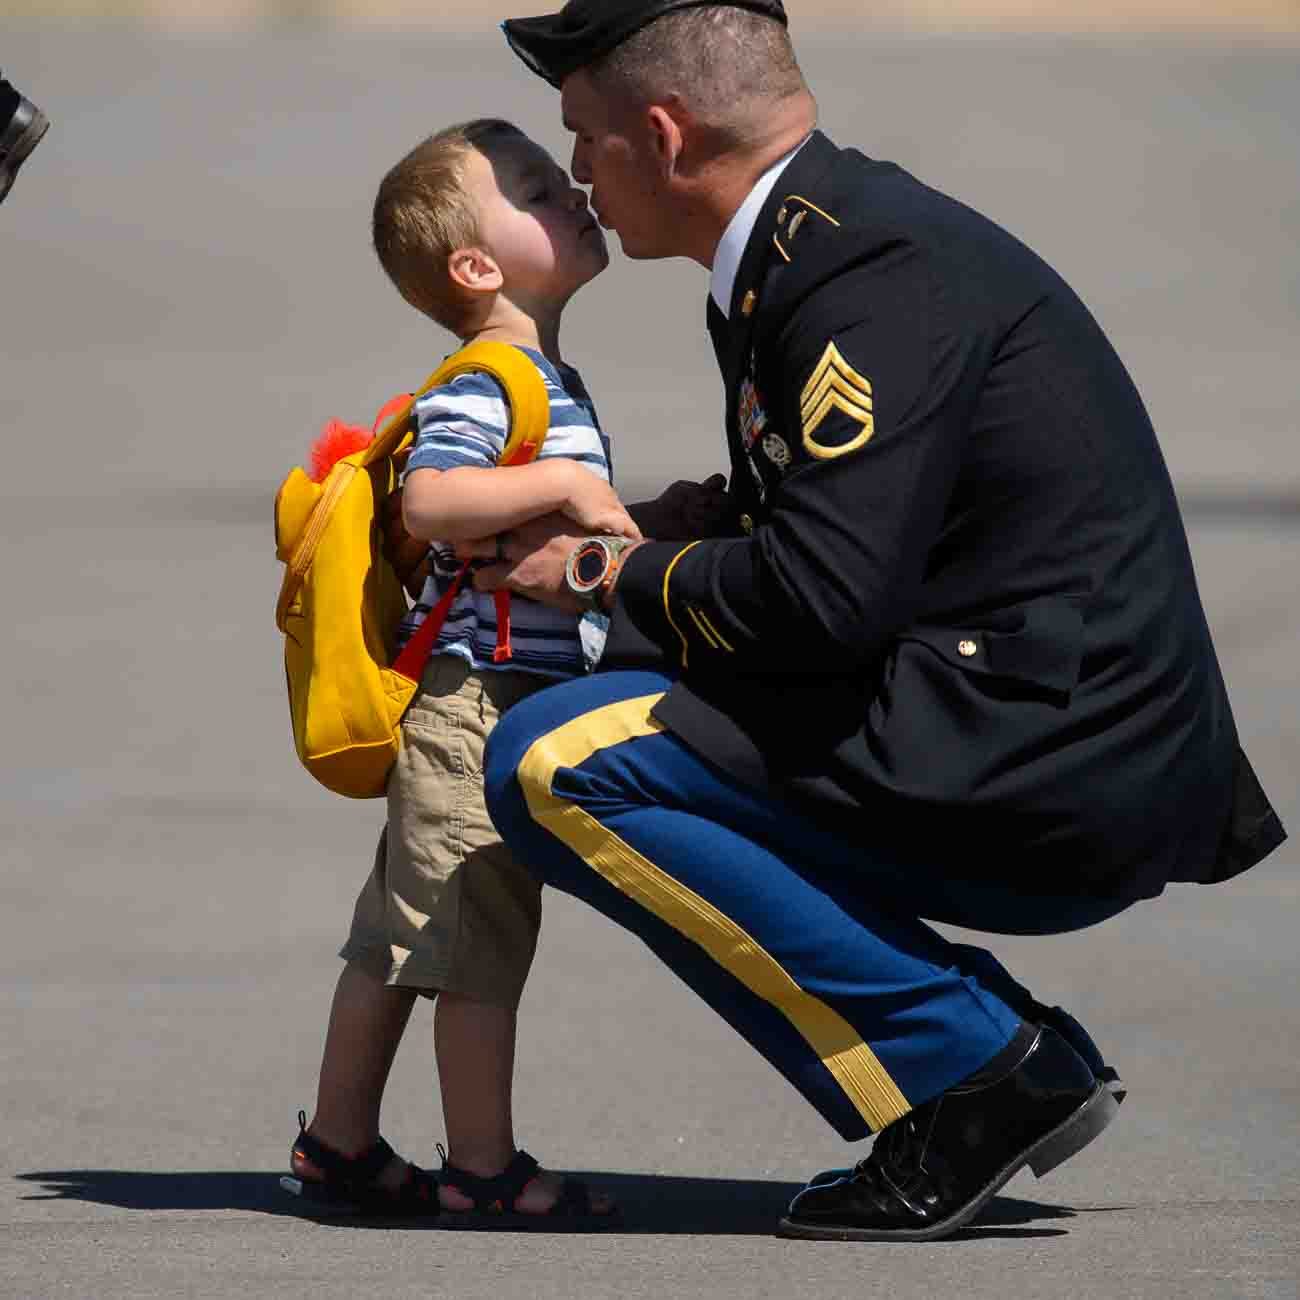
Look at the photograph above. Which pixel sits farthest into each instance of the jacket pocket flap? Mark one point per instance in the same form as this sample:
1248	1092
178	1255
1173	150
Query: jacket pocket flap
1040	642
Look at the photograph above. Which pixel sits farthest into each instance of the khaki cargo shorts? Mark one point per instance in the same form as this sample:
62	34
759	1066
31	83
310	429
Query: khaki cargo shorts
446	907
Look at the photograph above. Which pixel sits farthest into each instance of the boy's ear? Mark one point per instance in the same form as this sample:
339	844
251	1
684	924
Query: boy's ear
475	269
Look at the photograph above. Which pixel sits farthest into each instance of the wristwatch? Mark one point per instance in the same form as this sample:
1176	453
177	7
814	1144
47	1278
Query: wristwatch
591	568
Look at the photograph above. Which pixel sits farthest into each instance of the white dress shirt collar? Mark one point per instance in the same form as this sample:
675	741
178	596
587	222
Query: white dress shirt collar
731	247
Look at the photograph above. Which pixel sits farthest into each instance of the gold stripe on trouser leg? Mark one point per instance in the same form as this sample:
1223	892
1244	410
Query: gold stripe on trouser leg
838	1045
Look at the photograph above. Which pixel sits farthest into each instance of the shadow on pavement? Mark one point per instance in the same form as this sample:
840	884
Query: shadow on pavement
130	1189
652	1204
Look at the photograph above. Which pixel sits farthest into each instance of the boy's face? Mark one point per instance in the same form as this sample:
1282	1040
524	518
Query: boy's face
534	222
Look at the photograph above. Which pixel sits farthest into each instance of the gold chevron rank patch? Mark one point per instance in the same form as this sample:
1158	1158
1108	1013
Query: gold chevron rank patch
834	385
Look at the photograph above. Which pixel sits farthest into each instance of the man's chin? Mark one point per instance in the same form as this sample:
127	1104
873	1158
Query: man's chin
636	252
638	248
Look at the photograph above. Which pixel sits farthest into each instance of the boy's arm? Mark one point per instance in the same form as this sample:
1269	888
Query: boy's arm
469	502
455	491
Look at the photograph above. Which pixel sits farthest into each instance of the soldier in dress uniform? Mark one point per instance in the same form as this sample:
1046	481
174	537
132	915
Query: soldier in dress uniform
950	664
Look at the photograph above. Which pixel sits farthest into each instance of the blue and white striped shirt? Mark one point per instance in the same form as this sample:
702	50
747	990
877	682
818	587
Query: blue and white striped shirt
465	423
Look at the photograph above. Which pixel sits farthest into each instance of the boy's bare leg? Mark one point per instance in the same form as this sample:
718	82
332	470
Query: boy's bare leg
367	1020
475	1045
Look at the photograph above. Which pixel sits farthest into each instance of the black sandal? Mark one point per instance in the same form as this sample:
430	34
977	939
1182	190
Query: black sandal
349	1182
495	1199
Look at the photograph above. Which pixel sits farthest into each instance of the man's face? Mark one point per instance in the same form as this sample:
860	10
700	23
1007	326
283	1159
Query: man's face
534	220
613	152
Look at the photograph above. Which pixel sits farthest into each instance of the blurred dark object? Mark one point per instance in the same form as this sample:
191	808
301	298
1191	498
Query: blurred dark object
22	125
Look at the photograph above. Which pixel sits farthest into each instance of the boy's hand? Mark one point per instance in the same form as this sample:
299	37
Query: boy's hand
529	559
684	511
594	507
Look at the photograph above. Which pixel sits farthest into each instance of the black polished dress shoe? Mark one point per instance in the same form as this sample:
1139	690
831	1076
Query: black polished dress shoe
1079	1039
22	125
930	1172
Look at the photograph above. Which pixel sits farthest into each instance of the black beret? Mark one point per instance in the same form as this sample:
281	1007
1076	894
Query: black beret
554	45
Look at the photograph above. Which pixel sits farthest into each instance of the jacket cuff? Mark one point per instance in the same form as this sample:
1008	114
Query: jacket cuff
642	592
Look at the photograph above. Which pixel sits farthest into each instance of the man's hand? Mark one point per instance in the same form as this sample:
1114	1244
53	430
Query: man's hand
685	511
535	555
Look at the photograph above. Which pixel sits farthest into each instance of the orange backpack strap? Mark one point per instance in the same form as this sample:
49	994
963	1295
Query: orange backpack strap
415	653
504	649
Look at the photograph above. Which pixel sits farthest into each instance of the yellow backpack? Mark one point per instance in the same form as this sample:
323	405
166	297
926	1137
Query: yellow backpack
341	601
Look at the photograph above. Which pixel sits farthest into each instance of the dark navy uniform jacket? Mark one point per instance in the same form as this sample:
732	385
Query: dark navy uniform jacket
961	617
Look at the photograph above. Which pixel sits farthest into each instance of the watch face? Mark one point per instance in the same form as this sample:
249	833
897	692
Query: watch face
589	565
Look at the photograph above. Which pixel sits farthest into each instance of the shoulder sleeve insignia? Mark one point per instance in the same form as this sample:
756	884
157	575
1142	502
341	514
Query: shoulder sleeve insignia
835	385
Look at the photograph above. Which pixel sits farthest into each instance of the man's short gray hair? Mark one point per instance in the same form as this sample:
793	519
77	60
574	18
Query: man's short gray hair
722	61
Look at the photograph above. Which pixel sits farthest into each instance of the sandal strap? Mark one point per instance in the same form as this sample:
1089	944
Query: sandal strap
420	1189
357	1171
497	1194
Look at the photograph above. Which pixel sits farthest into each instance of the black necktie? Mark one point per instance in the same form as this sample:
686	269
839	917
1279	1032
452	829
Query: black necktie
719	332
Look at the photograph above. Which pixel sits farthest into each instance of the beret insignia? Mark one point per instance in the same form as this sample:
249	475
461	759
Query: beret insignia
834	385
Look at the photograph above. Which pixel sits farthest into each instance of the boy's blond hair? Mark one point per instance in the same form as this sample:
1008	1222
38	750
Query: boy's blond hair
422	215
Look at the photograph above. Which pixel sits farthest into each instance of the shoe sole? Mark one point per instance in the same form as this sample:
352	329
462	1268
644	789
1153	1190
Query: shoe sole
1113	1083
1107	1078
1052	1149
322	1199
319	1197
28	138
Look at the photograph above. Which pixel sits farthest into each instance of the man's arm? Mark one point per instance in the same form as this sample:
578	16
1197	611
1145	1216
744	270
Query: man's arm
870	387
875	413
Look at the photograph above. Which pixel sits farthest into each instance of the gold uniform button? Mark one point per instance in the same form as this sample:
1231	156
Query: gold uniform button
747	524
747	302
967	648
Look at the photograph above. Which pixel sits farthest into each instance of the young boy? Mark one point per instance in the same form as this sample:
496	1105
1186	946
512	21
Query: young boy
479	229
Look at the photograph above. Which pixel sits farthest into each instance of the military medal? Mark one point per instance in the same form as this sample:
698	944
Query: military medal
759	486
750	416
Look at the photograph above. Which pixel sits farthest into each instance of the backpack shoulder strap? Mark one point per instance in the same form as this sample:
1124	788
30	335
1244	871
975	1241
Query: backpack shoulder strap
530	407
530	418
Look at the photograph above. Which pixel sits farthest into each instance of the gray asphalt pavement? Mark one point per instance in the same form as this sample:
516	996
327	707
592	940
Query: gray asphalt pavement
186	293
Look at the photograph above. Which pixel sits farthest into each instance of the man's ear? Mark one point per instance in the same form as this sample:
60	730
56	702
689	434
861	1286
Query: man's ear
667	141
475	269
